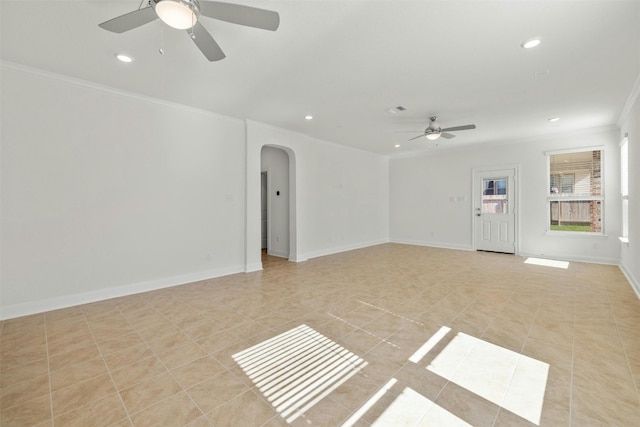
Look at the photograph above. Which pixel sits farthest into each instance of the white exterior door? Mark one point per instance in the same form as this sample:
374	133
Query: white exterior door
494	210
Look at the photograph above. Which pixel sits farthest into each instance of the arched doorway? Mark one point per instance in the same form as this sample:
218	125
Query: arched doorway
258	136
275	201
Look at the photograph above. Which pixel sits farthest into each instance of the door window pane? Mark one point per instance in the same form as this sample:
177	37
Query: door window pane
494	195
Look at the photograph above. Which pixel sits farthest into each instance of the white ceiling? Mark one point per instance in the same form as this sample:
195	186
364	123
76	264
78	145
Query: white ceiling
347	62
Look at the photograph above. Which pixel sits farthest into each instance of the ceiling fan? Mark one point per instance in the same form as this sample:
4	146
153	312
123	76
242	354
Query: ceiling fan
184	15
434	131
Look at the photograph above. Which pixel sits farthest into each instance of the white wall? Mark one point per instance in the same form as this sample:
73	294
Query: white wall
630	254
422	189
276	162
339	195
106	194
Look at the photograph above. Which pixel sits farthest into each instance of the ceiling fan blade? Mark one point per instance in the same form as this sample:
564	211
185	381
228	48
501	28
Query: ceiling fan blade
416	137
447	135
465	127
130	20
206	43
242	15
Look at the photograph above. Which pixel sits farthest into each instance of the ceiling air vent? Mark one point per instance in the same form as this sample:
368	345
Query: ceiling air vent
396	110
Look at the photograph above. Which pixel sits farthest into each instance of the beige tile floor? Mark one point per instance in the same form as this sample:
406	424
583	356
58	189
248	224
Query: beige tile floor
207	353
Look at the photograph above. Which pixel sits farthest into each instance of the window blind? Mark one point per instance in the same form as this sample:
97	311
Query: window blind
577	174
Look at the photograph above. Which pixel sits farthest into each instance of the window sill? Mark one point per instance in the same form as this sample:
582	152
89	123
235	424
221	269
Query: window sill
624	240
577	234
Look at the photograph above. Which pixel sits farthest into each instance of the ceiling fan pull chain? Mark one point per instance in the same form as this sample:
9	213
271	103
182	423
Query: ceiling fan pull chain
161	50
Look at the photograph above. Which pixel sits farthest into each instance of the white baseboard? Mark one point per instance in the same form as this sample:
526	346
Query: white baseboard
633	281
250	268
337	249
431	244
296	258
40	306
279	254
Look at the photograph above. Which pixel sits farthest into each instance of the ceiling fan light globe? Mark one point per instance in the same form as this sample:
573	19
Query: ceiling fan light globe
178	14
433	136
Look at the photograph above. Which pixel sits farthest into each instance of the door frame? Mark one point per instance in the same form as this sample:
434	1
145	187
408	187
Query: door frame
291	255
266	173
516	194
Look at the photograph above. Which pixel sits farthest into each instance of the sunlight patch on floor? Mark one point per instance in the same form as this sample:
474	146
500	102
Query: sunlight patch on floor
504	377
429	344
297	369
547	262
369	403
411	408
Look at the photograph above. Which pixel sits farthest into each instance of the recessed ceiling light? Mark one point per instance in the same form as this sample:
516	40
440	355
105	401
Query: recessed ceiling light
124	58
554	119
528	44
308	117
397	145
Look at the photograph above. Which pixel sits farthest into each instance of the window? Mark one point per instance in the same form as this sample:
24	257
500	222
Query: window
494	195
624	186
575	197
563	184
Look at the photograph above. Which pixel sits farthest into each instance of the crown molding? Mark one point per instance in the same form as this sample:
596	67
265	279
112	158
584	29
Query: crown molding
631	100
107	89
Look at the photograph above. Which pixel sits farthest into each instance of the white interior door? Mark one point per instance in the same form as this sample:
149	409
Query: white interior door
494	210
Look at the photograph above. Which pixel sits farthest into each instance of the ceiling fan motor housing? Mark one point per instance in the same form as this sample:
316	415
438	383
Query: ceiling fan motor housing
185	15
179	14
434	127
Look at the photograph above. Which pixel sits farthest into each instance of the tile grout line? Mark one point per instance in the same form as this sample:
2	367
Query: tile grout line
169	371
126	411
163	364
520	355
573	356
46	340
624	349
